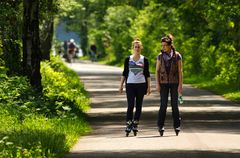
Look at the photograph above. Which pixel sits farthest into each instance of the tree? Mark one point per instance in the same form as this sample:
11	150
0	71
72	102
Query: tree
118	20
31	43
10	35
48	10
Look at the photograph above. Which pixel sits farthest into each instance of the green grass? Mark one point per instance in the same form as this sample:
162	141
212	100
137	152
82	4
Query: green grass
229	91
42	124
86	57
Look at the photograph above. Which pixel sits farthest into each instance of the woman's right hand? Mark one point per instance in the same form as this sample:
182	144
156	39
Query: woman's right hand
120	89
158	88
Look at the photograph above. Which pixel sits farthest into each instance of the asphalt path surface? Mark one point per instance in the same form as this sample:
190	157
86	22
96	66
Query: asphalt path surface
210	123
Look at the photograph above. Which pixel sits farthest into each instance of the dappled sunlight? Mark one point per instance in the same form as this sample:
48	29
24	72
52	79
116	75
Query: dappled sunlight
91	69
207	120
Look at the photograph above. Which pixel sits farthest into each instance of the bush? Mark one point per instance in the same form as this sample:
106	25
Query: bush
62	87
42	124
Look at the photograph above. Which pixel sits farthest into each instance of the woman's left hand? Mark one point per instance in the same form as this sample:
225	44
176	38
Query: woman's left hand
180	89
149	90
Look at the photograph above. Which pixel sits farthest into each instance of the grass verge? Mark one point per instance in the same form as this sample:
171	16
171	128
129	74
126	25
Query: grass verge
229	91
43	124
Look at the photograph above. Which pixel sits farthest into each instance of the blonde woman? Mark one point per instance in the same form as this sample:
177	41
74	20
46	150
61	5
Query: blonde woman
137	79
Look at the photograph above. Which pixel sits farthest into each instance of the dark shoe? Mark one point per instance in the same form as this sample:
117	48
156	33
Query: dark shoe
161	131
177	130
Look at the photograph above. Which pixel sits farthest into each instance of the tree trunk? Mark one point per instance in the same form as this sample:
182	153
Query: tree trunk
46	40
84	39
31	43
46	34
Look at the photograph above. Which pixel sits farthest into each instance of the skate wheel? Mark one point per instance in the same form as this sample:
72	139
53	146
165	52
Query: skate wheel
177	132
135	133
161	133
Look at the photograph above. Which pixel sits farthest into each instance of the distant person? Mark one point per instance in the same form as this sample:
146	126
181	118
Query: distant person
65	49
93	52
71	50
137	80
169	78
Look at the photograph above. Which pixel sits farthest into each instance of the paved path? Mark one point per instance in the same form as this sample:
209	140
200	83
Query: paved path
210	126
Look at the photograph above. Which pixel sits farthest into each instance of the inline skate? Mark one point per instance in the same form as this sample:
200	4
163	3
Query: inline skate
177	130
135	127
128	128
161	131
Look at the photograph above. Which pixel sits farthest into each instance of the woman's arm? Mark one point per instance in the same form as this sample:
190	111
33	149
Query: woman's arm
180	74
147	76
121	84
157	75
149	86
124	75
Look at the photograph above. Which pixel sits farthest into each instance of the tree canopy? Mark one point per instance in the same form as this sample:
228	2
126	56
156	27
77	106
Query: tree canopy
206	32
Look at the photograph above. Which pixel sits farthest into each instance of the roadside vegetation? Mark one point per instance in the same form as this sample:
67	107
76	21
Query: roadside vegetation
228	90
43	124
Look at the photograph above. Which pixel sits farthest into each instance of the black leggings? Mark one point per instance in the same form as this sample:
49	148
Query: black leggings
165	88
135	92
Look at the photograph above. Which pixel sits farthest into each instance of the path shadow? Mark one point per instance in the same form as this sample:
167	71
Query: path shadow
111	124
157	154
155	103
213	122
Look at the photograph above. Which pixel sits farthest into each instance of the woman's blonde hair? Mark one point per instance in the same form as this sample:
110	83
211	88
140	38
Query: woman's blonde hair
137	40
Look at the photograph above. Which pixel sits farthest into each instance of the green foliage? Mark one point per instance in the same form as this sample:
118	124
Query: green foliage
10	35
150	25
87	19
64	9
206	33
33	123
11	30
19	152
229	73
117	22
56	82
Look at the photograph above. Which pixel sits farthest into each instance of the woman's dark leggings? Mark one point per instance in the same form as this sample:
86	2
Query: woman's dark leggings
165	88
135	92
